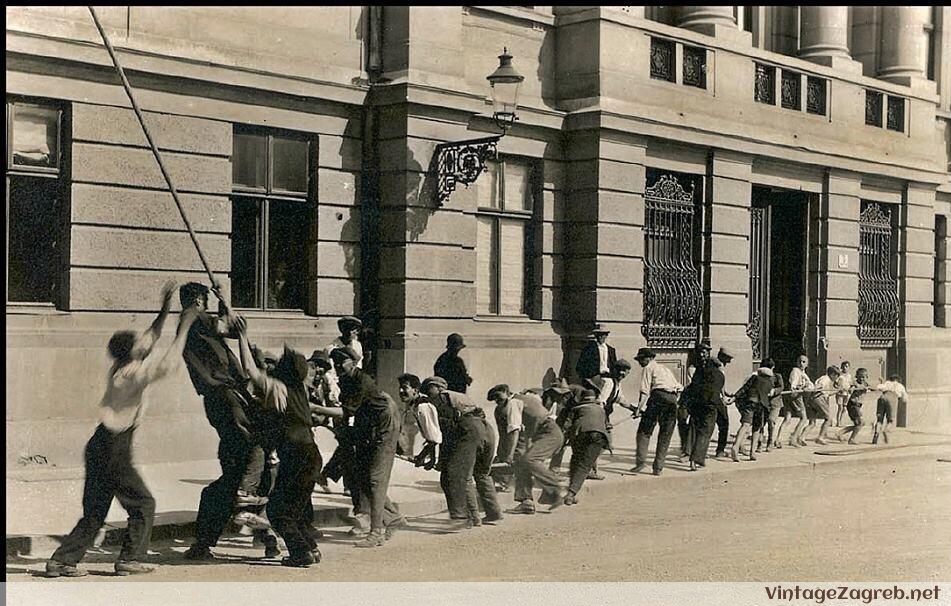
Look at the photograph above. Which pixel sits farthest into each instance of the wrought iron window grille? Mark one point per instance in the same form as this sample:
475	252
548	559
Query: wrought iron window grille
816	96
673	299
879	306
695	67
790	85
662	60
758	271
764	86
873	108
895	114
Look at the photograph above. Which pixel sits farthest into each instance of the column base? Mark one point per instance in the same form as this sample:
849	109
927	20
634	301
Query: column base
728	33
838	63
916	83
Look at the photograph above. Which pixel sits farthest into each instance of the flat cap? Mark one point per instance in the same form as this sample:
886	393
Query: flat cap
438	381
725	353
341	353
349	323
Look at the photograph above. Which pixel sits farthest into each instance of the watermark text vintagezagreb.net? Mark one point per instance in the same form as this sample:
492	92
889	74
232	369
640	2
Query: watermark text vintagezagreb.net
834	593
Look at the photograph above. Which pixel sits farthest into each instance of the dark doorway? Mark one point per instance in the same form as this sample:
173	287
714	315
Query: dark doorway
778	270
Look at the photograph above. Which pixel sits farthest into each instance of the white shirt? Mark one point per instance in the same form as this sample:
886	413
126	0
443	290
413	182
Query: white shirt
657	376
894	386
355	345
428	421
603	357
798	380
609	390
121	405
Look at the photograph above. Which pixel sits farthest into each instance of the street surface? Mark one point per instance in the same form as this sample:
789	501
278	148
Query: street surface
886	519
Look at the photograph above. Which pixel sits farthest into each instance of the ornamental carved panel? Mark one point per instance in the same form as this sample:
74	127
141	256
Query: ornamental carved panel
662	60
695	67
790	90
816	96
764	85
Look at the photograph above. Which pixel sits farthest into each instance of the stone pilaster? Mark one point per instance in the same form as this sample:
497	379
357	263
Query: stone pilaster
834	278
727	275
916	285
824	37
604	270
943	273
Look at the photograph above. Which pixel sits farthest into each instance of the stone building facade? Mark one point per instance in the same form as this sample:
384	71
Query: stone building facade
775	179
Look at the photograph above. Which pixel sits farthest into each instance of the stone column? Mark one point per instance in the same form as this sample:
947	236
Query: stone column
717	21
824	37
903	45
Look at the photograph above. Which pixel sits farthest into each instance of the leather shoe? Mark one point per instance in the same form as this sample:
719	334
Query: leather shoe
126	567
56	569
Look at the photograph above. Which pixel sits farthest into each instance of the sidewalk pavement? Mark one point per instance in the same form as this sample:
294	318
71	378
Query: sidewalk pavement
43	504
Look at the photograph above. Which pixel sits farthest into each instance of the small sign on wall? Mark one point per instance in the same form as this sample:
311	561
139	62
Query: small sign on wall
843	261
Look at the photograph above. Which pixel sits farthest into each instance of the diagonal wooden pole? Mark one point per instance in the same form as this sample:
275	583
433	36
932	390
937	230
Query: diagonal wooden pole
215	286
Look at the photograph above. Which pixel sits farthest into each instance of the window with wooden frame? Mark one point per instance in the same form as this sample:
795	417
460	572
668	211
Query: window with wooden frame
505	264
272	214
35	200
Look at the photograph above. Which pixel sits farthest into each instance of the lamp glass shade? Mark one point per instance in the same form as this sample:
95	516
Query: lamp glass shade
505	82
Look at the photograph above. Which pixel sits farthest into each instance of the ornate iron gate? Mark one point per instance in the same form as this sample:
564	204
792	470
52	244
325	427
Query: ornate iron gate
673	299
758	327
879	306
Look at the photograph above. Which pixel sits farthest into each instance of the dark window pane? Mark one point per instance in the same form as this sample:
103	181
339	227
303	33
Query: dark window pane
896	114
245	218
873	108
35	140
662	60
695	67
32	232
249	163
816	96
789	89
764	86
290	165
287	253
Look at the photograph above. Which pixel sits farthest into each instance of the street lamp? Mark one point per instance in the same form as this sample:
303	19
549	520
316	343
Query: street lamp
463	161
505	82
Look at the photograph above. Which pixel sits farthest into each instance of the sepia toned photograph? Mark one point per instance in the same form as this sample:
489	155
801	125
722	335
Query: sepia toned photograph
652	302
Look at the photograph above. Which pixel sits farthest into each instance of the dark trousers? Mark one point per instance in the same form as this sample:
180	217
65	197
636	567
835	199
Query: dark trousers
109	473
467	442
341	463
683	429
530	465
235	453
586	447
723	427
702	420
373	468
661	409
289	507
481	490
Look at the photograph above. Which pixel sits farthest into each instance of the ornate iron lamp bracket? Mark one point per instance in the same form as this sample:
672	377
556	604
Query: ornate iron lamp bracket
461	162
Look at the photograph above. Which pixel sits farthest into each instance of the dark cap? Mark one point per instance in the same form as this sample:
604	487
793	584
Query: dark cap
622	364
645	352
292	365
342	353
454	341
558	386
500	388
320	358
438	381
725	353
348	323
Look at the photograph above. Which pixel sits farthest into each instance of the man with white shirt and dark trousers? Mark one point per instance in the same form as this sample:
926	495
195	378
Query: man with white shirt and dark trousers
109	470
657	404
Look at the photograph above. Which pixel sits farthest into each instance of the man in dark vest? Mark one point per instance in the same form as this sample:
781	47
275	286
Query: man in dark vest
218	377
705	414
597	358
451	367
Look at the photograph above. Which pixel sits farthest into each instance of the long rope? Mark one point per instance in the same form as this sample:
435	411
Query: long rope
215	286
